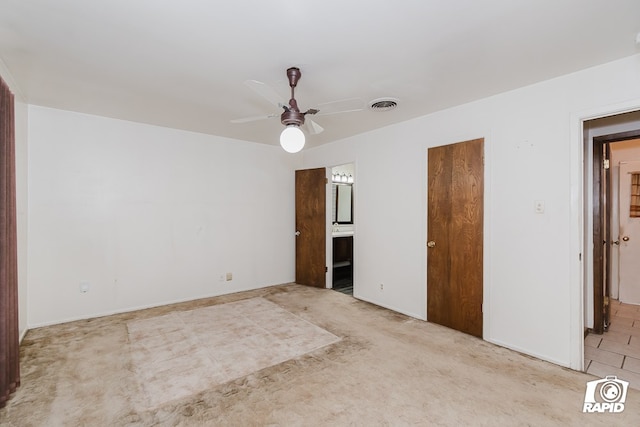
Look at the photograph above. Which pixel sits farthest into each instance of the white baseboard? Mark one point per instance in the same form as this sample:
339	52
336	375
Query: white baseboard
389	307
144	307
527	352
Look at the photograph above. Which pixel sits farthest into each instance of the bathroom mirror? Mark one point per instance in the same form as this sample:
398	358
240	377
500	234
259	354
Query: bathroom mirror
344	204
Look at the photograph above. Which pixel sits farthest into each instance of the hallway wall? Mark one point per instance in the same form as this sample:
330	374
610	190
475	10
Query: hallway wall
620	152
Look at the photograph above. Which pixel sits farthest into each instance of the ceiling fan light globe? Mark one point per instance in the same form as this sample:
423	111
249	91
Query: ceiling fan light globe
292	139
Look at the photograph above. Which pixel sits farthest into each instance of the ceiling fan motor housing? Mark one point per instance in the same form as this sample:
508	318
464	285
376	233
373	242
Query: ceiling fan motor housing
294	75
292	117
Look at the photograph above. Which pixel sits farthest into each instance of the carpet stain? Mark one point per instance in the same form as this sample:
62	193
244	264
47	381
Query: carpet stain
182	353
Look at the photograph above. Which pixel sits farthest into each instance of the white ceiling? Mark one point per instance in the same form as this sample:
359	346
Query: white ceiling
182	64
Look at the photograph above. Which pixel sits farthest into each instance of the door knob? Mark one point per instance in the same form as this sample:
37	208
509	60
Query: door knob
431	244
625	239
297	233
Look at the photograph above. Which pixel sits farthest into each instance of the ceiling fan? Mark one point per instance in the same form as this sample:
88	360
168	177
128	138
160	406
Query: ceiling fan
292	138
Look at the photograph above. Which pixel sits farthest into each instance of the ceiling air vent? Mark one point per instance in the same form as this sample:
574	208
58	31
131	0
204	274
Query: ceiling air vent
383	104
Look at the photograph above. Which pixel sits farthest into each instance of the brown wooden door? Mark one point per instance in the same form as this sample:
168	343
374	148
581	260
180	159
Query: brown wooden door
601	231
311	227
455	236
606	182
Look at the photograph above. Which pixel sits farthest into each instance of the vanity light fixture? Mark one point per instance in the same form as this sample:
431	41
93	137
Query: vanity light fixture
342	178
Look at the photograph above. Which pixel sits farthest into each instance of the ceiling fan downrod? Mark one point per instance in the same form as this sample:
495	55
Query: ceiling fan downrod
292	114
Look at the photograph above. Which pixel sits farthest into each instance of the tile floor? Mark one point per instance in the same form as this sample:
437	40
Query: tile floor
617	351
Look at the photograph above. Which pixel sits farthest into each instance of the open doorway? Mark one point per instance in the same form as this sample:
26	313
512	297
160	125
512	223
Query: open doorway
610	332
603	135
342	228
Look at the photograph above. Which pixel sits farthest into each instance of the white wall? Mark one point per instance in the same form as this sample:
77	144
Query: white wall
532	283
148	215
21	122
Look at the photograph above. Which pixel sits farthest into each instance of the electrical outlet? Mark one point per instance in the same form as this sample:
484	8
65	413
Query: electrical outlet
381	287
229	277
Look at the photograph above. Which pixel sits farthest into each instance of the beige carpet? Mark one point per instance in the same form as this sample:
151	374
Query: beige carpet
185	352
386	369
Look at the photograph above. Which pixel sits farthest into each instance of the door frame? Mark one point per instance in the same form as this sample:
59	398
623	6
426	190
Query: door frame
581	241
329	238
601	253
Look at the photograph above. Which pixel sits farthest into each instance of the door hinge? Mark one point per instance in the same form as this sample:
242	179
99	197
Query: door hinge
605	163
326	180
326	269
606	301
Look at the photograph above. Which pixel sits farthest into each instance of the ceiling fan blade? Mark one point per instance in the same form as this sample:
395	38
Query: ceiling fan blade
265	91
254	118
312	127
342	106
